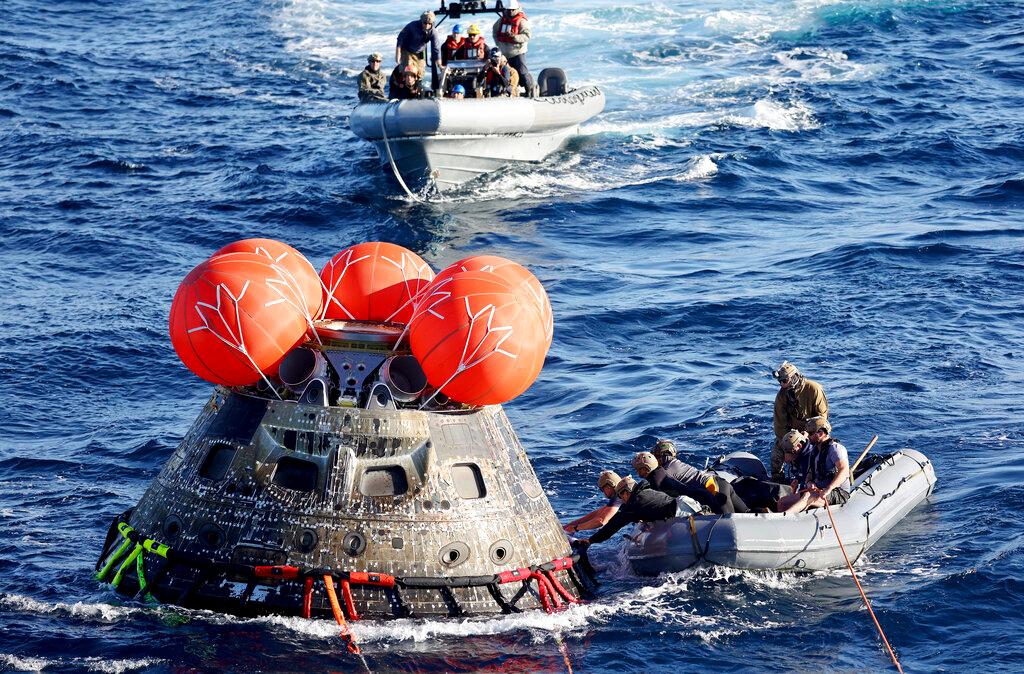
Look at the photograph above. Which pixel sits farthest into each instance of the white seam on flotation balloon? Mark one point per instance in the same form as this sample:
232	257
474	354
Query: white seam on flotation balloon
337	282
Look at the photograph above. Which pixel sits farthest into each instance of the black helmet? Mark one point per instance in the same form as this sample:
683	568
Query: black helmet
495	53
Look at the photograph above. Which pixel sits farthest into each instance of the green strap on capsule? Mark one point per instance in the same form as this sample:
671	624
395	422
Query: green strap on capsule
127	564
112	560
155	548
140	571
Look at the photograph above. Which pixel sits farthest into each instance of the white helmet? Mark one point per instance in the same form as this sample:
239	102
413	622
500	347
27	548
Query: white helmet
512	4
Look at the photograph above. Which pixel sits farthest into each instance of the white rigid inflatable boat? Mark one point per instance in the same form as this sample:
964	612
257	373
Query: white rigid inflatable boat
448	142
879	498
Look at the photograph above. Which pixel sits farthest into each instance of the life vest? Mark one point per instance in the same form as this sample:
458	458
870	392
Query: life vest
452	50
474	49
818	464
509	27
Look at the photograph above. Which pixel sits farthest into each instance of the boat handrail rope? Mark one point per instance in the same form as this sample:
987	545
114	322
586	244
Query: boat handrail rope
860	589
391	157
551	594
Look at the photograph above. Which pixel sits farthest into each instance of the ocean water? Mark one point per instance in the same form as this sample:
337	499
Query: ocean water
836	182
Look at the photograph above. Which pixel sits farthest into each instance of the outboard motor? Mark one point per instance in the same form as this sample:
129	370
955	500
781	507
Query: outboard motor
552	82
404	376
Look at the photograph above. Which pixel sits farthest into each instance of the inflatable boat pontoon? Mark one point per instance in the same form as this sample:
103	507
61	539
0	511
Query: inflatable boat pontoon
447	142
880	497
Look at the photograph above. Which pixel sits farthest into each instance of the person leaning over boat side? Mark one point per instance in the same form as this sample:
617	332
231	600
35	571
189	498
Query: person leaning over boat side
500	79
453	46
411	47
512	35
595	519
371	80
795	458
703	487
474	47
408	87
641	503
797	400
828	469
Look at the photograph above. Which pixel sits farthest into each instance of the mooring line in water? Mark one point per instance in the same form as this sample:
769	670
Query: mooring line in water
339	617
892	653
391	158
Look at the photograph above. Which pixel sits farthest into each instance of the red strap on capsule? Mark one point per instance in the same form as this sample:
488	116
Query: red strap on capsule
561	564
307	597
560	589
284	572
377	579
514	575
346	594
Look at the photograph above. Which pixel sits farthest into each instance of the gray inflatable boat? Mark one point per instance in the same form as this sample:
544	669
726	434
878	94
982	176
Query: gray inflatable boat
446	142
880	498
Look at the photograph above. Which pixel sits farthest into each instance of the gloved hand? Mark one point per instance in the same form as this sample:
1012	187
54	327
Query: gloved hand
581	545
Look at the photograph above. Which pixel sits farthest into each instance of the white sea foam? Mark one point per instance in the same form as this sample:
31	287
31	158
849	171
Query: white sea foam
98	611
21	663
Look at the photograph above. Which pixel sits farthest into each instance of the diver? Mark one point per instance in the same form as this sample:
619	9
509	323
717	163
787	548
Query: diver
409	86
371	80
798	400
641	503
453	47
458	92
411	47
828	470
474	47
500	79
595	519
512	35
704	488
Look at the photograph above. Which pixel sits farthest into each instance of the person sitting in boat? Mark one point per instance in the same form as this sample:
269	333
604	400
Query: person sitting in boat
458	92
413	40
828	469
704	488
452	48
512	35
797	400
371	80
640	503
474	48
500	79
408	87
596	519
795	465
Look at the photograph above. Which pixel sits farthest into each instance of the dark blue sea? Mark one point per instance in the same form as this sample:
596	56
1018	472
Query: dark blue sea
839	183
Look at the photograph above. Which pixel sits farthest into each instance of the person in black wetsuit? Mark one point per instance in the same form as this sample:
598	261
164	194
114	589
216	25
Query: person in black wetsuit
726	502
641	503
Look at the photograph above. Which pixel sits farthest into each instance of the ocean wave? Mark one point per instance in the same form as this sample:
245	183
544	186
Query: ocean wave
23	663
106	613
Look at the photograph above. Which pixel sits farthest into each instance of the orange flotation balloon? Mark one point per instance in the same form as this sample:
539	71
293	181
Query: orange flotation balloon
516	274
478	339
230	321
373	282
294	266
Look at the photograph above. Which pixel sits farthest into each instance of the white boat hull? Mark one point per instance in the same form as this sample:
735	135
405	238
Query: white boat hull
447	143
800	542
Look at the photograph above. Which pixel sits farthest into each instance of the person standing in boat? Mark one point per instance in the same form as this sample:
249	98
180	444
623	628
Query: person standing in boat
828	469
408	87
798	400
500	79
512	35
413	40
606	482
453	46
371	80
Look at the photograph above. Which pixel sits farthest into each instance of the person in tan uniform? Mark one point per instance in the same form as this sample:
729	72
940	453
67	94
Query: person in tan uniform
371	80
798	400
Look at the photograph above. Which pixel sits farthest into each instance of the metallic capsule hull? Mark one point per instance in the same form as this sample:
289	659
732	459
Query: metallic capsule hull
433	498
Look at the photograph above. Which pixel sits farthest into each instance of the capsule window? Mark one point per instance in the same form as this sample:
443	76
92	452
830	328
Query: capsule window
469	483
384	481
295	474
218	460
